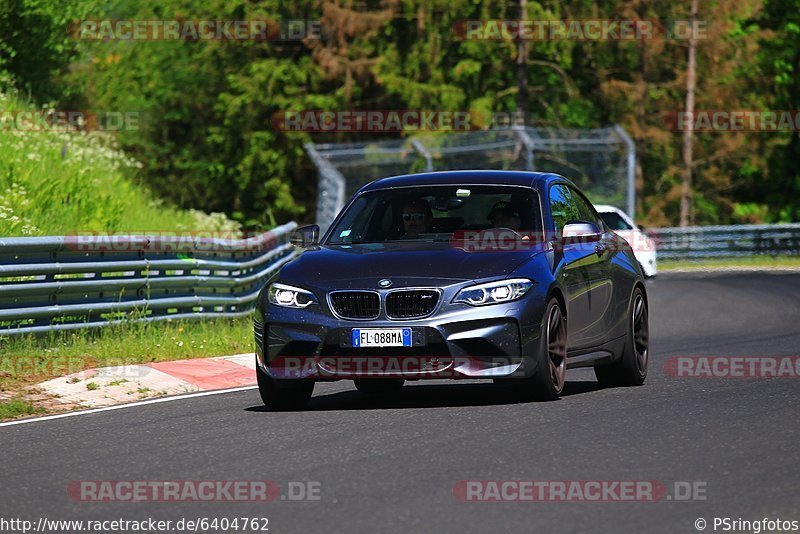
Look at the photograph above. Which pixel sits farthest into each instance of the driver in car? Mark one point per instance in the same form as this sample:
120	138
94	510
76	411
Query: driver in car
504	216
417	217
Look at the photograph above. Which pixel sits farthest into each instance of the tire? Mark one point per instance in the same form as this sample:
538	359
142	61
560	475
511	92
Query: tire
547	383
631	368
283	394
379	386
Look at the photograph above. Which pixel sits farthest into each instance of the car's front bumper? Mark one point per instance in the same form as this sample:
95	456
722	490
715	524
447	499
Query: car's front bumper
457	341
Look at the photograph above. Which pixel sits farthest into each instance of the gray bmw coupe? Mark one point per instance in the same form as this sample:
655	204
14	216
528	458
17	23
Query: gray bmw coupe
502	275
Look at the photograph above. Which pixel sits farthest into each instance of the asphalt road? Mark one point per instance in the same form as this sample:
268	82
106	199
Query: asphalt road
393	467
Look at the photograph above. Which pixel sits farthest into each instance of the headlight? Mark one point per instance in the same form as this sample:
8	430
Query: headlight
289	296
494	292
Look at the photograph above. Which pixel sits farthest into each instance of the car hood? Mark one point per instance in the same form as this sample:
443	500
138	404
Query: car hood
410	262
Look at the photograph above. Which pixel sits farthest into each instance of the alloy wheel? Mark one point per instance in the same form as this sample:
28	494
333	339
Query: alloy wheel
641	332
557	347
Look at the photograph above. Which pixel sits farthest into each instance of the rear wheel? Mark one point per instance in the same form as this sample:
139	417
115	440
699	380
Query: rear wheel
283	394
378	386
631	368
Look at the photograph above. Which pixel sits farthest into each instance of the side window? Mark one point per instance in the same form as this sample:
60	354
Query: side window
562	207
586	210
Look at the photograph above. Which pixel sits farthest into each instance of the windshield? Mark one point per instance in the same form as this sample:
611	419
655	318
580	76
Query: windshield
614	221
435	213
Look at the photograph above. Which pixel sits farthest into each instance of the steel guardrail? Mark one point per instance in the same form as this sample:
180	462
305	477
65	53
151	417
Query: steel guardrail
702	242
59	283
66	283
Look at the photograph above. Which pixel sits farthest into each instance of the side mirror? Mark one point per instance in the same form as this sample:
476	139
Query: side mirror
581	232
305	236
641	228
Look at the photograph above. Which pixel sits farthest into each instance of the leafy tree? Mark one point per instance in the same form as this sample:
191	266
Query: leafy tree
36	47
779	59
206	138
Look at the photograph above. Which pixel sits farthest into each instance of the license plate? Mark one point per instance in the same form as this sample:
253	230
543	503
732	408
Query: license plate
381	337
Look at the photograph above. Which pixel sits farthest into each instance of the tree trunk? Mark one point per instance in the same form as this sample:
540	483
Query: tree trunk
641	120
522	67
686	192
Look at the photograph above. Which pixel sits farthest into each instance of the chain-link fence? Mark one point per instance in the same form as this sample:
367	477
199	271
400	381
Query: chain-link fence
600	161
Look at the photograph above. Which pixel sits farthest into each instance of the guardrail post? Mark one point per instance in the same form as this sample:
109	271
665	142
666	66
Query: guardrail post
630	168
331	189
422	151
529	145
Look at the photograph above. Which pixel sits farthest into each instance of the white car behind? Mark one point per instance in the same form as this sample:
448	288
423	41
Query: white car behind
644	248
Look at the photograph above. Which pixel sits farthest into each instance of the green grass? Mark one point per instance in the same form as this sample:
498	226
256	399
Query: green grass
752	261
61	183
17	408
26	360
71	182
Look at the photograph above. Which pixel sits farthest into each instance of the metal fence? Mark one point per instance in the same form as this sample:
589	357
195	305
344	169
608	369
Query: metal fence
601	161
699	242
61	283
64	283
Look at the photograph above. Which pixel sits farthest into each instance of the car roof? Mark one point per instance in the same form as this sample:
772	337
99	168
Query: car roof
606	207
467	177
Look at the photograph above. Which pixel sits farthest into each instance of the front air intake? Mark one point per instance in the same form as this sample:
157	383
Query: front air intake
356	304
411	303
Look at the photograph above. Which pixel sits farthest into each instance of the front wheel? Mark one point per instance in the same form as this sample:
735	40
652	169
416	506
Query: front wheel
631	368
283	394
551	374
547	383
